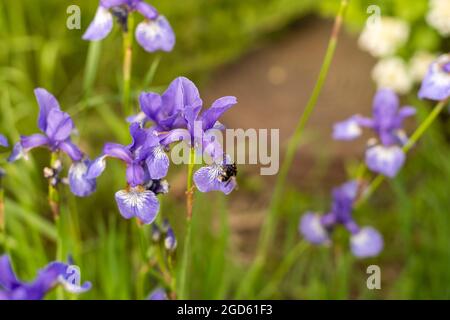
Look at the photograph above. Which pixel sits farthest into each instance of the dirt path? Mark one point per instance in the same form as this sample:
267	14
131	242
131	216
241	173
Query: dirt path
273	84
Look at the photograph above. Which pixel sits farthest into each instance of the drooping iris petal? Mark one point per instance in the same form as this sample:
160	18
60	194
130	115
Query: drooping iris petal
137	202
71	150
59	125
3	141
146	10
46	102
208	179
70	280
154	35
118	151
312	229
385	160
157	163
96	168
79	183
436	84
368	242
346	130
101	26
33	141
210	116
135	174
158	294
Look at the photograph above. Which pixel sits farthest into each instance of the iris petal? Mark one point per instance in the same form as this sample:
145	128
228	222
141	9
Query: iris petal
101	26
154	35
385	160
368	242
137	202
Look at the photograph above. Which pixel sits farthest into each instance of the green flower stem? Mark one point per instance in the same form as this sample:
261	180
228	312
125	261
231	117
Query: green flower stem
270	225
376	182
183	292
55	207
2	208
127	64
284	268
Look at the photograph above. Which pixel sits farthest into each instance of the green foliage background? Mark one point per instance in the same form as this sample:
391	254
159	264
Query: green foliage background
36	49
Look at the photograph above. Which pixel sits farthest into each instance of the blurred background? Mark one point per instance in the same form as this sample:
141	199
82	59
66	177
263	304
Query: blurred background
267	53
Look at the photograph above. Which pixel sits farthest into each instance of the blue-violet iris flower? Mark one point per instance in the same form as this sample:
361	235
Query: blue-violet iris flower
387	157
177	115
55	273
56	127
154	33
146	164
316	228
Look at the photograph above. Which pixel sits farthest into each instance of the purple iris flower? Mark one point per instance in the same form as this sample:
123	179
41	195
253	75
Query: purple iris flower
57	127
55	273
154	33
317	229
387	122
177	116
436	84
158	294
146	164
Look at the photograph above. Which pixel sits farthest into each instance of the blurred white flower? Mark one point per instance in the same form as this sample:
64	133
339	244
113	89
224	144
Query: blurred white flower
384	37
392	73
439	16
419	64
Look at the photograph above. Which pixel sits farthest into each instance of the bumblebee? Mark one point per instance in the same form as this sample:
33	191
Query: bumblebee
228	172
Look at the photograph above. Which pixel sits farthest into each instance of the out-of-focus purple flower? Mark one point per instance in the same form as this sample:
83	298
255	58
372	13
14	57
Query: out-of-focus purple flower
56	126
158	294
317	229
170	241
436	84
53	274
146	165
3	141
153	34
387	122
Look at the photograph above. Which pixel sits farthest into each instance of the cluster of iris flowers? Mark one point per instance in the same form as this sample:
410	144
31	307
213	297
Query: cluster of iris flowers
384	155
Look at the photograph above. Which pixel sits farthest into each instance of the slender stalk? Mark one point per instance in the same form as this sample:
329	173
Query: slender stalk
270	225
55	207
284	268
127	64
183	292
376	182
